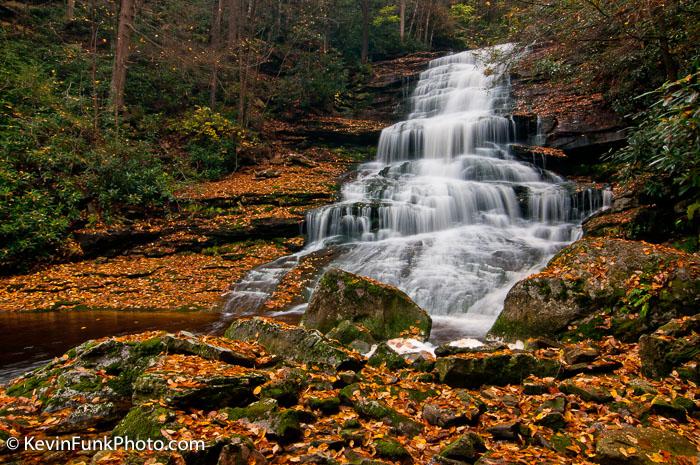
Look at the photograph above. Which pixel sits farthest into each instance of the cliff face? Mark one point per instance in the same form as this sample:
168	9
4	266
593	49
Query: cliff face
560	113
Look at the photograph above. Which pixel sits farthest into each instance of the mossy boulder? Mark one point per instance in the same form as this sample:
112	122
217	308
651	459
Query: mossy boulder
670	347
468	448
298	344
498	369
385	311
639	446
385	355
639	286
93	381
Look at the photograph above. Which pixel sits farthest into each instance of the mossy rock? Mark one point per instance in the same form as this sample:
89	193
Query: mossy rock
207	392
348	333
377	410
142	423
385	311
295	343
391	449
327	405
591	277
637	446
672	345
495	369
385	355
468	448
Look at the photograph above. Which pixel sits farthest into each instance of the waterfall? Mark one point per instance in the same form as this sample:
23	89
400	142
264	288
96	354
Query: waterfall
445	213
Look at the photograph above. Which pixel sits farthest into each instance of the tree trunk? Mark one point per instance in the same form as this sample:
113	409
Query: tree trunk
234	14
70	10
215	50
127	12
402	19
364	54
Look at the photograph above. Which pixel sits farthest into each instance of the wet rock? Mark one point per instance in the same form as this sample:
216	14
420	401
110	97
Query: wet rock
587	392
77	382
551	413
284	425
638	446
641	387
468	448
299	344
671	346
493	369
593	274
597	367
385	311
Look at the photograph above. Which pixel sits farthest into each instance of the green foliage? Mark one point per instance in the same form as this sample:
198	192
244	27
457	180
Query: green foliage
212	141
667	140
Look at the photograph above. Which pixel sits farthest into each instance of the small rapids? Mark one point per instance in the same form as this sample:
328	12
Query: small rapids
445	212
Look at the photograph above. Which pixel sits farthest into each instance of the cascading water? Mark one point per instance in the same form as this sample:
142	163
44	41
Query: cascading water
445	213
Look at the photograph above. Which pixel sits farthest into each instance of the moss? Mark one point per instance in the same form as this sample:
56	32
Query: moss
390	449
255	411
328	405
25	388
143	423
87	384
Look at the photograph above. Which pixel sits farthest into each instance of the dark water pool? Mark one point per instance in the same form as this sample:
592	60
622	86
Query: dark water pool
28	340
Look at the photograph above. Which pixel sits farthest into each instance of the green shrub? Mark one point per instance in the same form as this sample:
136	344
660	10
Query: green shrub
667	141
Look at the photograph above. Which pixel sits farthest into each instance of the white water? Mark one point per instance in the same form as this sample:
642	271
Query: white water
445	213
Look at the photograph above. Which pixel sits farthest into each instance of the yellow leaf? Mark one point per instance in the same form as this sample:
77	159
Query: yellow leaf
257	390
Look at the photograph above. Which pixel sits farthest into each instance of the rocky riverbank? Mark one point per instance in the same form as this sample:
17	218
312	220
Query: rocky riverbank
271	393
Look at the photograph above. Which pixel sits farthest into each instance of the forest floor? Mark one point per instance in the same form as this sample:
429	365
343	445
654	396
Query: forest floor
219	231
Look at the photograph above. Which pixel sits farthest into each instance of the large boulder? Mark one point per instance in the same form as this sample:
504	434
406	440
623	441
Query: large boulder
385	311
640	286
293	342
674	346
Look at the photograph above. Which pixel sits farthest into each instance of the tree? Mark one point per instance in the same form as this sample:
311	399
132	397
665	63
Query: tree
215	49
364	9
127	11
402	19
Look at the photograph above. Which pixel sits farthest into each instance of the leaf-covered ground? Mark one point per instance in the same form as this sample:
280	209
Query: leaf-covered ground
197	253
542	420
